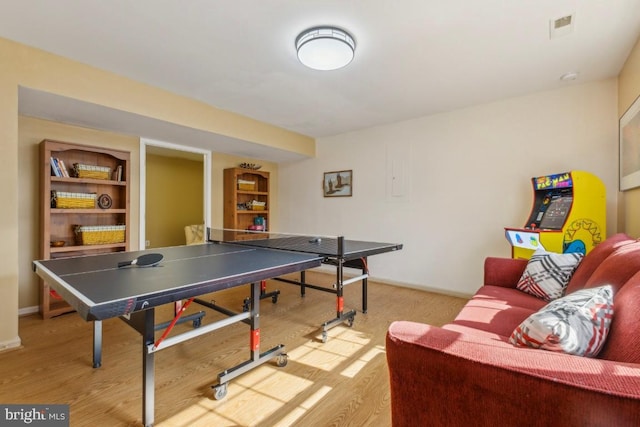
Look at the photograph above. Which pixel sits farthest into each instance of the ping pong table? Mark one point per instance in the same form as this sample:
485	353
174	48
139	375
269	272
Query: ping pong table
335	251
98	289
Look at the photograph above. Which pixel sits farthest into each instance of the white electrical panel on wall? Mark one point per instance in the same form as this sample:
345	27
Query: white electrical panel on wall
397	174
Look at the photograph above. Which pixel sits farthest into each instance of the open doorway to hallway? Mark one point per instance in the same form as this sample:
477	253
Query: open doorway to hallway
175	192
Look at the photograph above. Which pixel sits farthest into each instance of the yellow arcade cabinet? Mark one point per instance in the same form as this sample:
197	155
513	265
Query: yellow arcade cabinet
568	215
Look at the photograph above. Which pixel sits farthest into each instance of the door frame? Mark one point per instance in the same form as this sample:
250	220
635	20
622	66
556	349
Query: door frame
144	143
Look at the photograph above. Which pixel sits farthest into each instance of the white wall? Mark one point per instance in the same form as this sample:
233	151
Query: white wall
466	176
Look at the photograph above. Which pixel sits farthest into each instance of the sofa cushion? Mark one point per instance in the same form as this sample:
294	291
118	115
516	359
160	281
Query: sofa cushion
623	342
491	316
576	324
508	297
547	274
617	268
503	272
594	258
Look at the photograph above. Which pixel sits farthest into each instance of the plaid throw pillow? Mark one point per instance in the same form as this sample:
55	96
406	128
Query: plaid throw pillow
576	324
547	274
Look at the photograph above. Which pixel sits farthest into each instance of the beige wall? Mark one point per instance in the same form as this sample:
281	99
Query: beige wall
9	250
467	175
39	70
174	194
628	91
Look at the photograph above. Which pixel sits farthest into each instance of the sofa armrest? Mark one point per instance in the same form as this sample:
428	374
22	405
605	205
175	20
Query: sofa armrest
441	377
503	272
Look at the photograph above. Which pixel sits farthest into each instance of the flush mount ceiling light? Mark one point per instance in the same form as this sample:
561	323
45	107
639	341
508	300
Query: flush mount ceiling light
567	77
325	48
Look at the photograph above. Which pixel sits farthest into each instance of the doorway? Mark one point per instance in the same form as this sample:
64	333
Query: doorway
174	191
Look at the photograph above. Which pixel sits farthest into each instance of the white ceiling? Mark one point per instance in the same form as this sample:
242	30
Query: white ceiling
413	57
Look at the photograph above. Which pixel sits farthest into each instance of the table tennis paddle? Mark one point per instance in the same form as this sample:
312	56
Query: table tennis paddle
146	260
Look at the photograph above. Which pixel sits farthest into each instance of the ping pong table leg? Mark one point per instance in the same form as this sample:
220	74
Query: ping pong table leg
364	295
365	274
97	343
147	329
143	321
263	295
341	316
254	321
256	358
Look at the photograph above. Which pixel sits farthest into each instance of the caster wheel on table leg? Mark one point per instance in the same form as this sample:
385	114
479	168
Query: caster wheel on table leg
219	391
282	360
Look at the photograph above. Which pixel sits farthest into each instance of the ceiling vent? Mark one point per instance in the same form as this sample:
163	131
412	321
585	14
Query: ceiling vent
561	26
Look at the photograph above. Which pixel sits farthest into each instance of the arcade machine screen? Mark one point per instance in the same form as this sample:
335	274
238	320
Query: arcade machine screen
552	209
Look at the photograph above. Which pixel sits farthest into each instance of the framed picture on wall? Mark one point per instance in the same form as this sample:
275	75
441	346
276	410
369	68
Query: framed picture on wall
338	184
630	147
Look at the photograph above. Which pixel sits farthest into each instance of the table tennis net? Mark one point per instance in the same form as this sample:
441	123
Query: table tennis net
279	241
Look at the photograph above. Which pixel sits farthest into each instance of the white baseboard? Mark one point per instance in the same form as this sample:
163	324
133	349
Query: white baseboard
28	310
11	344
421	287
331	270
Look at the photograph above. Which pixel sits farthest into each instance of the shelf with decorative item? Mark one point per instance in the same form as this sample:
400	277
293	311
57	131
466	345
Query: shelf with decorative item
253	193
84	248
88	211
74	180
253	212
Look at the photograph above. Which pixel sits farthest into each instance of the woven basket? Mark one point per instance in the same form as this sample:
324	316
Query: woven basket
255	205
66	200
244	185
90	171
99	234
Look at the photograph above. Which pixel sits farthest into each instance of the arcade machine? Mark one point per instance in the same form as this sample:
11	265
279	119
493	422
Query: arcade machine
568	215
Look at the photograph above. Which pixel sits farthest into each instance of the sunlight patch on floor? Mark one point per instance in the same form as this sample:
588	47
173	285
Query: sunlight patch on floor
196	415
352	370
264	388
301	409
269	378
260	388
342	344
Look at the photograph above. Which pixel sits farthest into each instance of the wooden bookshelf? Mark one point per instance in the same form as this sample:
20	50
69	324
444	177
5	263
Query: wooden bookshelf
59	224
237	215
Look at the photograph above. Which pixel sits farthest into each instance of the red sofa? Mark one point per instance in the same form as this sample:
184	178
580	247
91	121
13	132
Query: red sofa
468	374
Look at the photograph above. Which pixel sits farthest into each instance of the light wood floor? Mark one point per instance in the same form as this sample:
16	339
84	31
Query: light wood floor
343	382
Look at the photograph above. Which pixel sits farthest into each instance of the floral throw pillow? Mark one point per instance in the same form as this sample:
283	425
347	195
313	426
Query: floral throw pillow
575	324
547	274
